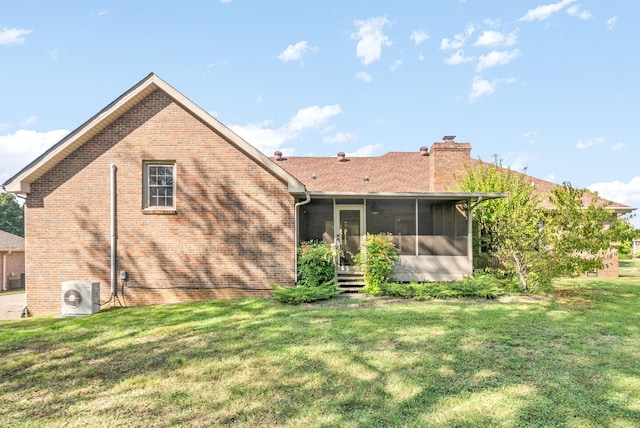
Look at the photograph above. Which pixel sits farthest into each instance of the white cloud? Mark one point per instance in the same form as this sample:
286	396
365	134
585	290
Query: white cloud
421	57
101	12
583	144
458	58
369	150
619	191
364	76
575	11
31	120
213	65
495	58
458	40
518	162
268	139
611	22
54	53
618	146
370	39
13	36
495	38
419	36
312	117
294	52
531	136
17	150
543	12
340	137
491	22
481	87
396	65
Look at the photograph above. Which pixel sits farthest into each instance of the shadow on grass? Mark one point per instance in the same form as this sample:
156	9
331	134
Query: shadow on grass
255	362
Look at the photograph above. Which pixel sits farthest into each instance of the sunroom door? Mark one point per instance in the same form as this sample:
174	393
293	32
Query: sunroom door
349	233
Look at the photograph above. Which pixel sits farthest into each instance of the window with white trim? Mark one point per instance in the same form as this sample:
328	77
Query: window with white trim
159	185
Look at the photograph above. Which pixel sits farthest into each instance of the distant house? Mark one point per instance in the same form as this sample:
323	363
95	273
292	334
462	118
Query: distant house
155	187
11	261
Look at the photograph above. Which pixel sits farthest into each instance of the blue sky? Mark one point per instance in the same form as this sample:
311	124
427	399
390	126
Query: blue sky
551	86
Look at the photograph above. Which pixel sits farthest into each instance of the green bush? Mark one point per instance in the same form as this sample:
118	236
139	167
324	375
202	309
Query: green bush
316	263
303	294
484	286
377	261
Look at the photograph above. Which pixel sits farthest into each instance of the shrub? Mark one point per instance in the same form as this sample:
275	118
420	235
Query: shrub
303	294
377	260
316	263
483	286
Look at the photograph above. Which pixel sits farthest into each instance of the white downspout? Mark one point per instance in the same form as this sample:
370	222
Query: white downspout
297	233
113	230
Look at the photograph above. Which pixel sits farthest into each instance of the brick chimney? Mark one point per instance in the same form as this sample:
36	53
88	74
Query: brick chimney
447	161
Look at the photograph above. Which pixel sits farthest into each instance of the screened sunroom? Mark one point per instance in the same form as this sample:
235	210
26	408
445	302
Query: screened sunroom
433	233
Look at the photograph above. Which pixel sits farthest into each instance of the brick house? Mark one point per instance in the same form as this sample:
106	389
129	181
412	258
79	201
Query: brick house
155	186
11	261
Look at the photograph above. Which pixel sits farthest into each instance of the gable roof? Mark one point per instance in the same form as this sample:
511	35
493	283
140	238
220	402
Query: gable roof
20	183
11	242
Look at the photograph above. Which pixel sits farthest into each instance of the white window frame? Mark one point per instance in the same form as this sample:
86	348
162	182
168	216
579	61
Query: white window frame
147	193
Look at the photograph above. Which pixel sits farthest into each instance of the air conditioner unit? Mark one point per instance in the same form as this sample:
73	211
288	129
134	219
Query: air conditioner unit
80	297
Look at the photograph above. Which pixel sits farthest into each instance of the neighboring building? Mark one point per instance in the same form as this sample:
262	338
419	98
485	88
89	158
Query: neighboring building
155	186
636	247
11	261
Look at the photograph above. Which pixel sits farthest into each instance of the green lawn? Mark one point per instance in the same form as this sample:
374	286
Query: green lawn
570	361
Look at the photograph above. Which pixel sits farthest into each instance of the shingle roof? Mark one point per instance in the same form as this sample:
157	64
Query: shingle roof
396	172
11	242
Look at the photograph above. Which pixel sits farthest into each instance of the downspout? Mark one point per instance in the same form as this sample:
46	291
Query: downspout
297	233
114	290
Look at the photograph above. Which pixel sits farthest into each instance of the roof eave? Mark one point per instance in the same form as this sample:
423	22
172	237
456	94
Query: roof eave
424	195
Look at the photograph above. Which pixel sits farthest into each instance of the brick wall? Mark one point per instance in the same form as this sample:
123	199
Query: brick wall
611	261
13	269
232	233
447	164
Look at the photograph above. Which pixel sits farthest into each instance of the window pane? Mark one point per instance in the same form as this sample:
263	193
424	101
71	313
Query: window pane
159	185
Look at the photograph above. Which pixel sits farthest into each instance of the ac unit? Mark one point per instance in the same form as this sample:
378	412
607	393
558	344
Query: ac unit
80	297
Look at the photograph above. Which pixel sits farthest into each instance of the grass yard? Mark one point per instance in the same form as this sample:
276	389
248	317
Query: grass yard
570	361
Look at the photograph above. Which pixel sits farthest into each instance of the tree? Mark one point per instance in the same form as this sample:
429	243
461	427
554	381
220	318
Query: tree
11	214
536	242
